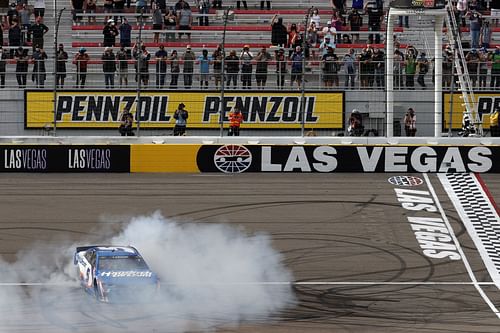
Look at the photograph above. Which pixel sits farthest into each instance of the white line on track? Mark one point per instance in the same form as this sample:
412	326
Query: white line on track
475	283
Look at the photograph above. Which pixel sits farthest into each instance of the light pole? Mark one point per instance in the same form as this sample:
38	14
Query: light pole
56	32
138	74
302	86
228	15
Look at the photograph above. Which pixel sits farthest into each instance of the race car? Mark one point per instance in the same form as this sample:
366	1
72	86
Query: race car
115	273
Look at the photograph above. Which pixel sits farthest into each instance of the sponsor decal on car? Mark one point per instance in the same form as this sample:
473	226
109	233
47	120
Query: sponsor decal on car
118	274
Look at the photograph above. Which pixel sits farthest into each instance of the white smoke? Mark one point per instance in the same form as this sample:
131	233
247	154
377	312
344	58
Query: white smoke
211	274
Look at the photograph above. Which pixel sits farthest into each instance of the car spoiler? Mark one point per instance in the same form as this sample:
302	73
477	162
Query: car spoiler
85	248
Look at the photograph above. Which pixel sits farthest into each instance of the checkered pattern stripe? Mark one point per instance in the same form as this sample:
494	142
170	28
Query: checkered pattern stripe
478	215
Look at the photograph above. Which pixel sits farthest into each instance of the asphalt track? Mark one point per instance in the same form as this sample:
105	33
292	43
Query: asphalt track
356	263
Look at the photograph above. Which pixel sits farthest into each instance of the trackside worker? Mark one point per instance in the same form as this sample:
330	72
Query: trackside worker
235	120
494	129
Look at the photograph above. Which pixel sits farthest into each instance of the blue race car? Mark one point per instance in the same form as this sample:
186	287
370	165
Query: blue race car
115	273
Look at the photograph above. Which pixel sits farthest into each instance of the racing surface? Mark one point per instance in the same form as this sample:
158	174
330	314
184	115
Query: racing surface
355	262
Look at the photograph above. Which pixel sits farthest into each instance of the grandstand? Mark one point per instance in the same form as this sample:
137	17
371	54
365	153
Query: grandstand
249	26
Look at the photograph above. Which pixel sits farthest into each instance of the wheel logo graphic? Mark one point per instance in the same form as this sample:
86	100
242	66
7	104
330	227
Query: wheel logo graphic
232	159
406	180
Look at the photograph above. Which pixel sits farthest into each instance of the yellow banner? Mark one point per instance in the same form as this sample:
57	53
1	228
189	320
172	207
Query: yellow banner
103	109
484	101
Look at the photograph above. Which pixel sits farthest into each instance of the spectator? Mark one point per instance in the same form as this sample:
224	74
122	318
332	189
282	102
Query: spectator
410	68
90	7
423	68
279	32
3	65
21	66
472	59
81	61
77	9
330	68
350	69
447	66
355	127
329	31
337	22
119	6
110	32
485	35
140	9
204	60
179	5
122	57
410	122
14	37
494	128
188	59
181	115
483	67
12	13
246	67
126	123
108	9
157	23
62	58
268	4
203	7
325	44
217	62
125	33
338	6
398	64
109	67
38	59
39	8
346	39
495	68
461	7
235	120
162	4
297	67
232	64
355	21
375	14
174	69
315	18
358	5
281	62
25	20
365	62
161	66
379	66
312	34
142	57
184	21
262	58
475	28
170	24
38	30
244	4
294	38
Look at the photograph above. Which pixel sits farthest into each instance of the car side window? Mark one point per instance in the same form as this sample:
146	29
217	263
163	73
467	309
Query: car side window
91	258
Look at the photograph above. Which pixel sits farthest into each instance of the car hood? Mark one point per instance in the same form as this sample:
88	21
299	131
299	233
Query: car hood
127	277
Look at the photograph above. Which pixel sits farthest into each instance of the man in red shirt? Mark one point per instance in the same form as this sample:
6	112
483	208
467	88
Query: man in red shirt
235	120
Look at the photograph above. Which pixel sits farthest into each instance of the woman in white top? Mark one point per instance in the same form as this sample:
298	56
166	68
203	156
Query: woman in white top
316	18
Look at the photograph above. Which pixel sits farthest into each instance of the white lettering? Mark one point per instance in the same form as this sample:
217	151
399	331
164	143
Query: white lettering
395	159
326	155
428	164
297	160
267	164
368	162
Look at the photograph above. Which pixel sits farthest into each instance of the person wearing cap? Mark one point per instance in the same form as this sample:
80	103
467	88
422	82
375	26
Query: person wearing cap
180	115
281	62
126	123
188	59
330	64
329	31
410	122
110	32
22	59
246	67
325	44
161	66
81	60
495	68
235	120
232	68
494	129
3	65
262	58
109	67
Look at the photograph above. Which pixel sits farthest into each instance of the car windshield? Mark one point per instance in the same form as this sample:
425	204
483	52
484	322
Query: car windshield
122	263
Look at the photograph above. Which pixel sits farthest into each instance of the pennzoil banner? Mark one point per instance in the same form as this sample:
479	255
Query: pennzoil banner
486	102
103	109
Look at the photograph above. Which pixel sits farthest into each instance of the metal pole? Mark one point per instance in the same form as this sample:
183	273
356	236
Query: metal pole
438	74
303	84
138	73
56	32
389	79
452	88
222	84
